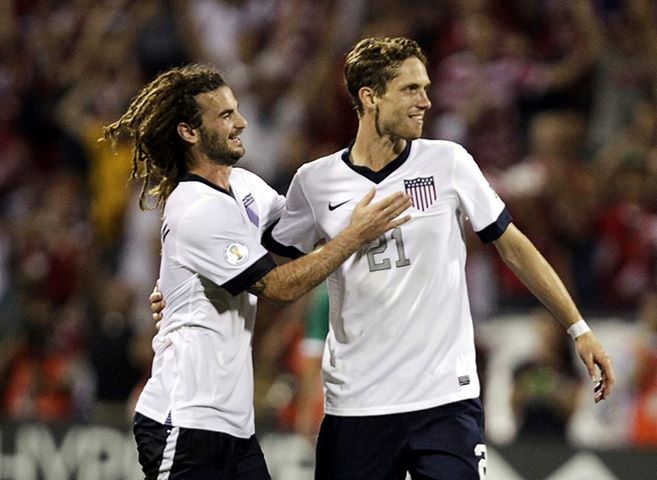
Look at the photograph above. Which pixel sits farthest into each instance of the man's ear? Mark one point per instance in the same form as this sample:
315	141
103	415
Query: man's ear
367	97
187	133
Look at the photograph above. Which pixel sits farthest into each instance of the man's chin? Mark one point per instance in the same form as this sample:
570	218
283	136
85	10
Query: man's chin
233	159
236	154
229	159
411	134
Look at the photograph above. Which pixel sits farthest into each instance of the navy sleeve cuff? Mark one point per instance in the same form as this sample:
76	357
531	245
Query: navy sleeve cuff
495	230
251	275
278	248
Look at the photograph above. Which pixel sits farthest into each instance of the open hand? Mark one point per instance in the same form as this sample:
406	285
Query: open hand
371	220
598	365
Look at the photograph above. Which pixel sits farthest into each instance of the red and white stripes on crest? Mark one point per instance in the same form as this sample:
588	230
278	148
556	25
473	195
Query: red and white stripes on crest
422	190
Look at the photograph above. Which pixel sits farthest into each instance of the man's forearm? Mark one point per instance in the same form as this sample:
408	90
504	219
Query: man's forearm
288	282
538	276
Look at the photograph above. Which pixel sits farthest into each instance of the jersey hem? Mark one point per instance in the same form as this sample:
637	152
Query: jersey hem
409	407
152	414
180	421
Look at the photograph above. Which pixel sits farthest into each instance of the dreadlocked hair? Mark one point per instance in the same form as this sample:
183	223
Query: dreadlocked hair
150	123
373	62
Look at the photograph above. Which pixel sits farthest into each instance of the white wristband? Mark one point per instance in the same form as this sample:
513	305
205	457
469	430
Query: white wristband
578	328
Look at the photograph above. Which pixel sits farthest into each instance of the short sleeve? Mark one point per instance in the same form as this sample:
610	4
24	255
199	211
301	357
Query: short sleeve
296	227
271	203
222	248
477	199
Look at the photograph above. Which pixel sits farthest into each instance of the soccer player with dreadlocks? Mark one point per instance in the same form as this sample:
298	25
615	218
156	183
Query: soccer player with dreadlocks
194	418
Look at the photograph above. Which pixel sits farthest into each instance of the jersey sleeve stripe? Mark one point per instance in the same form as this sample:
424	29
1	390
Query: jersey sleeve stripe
248	277
273	246
495	230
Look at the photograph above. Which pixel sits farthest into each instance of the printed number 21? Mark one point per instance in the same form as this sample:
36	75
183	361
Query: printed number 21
381	246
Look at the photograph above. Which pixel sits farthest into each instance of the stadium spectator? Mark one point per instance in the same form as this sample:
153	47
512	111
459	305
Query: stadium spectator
644	414
547	386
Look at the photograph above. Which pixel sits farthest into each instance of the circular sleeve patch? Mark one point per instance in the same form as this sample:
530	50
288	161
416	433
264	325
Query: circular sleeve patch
236	253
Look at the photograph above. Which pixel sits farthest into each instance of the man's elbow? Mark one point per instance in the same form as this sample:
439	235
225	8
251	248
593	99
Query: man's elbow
513	246
280	296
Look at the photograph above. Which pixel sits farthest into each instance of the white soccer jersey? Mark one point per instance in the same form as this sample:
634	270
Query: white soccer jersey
202	375
401	335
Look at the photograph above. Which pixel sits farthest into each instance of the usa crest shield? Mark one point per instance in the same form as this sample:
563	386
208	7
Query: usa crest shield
422	190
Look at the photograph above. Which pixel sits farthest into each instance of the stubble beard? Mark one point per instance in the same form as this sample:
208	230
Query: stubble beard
217	150
393	131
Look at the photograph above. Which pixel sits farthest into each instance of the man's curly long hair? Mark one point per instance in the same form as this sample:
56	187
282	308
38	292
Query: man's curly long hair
375	61
150	123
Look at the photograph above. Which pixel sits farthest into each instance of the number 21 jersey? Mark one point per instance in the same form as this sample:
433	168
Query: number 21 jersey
401	335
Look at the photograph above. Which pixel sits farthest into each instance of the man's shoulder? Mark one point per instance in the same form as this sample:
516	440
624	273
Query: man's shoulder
321	165
449	153
187	192
190	200
246	176
427	144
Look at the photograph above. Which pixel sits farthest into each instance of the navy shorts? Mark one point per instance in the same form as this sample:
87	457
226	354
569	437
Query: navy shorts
440	443
174	453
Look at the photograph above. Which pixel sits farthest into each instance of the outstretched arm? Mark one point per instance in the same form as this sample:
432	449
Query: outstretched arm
540	278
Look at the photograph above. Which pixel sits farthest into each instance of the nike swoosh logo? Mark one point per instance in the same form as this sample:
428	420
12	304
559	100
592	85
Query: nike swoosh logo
333	207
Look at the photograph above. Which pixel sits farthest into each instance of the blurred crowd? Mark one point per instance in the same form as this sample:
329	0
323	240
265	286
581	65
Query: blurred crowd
555	99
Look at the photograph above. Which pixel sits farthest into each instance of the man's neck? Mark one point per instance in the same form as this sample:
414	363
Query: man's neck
217	174
374	151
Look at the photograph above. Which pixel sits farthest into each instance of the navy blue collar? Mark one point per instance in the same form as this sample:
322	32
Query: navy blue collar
192	177
379	176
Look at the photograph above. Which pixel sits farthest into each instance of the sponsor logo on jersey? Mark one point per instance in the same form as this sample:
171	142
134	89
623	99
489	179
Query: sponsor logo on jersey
236	253
422	190
464	380
333	207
